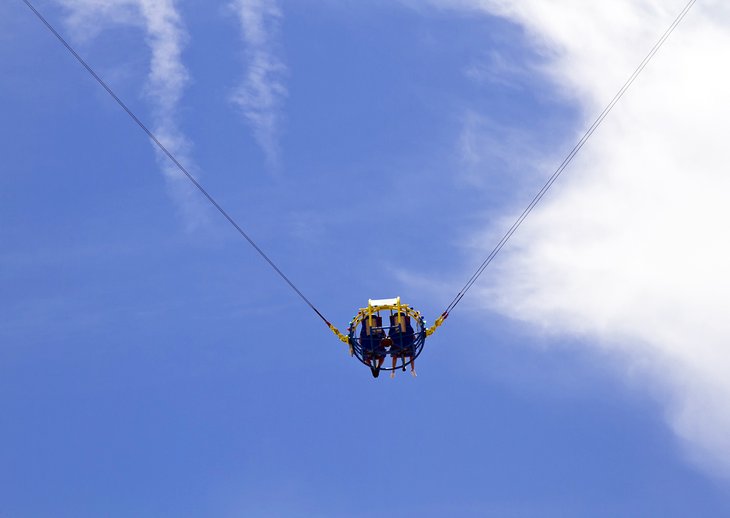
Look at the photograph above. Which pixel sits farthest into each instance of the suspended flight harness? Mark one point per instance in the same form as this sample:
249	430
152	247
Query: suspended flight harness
368	337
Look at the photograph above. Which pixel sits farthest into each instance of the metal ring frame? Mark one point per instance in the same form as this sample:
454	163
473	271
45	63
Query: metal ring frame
361	353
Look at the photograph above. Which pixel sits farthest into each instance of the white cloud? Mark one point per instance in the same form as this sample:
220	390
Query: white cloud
166	79
261	94
630	248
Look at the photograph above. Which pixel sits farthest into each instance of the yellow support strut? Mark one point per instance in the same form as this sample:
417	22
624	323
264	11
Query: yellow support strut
339	335
440	320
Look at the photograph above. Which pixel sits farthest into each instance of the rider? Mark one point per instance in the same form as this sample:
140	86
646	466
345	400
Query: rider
403	337
371	340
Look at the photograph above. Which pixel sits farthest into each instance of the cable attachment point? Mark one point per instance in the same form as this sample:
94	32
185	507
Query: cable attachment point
439	321
339	335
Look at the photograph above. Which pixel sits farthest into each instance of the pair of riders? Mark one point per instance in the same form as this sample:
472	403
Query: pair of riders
399	341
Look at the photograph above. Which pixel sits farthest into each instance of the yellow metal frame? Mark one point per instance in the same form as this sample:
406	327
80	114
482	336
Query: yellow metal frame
371	310
439	321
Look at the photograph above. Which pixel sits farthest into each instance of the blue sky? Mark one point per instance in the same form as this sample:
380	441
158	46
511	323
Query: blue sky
151	364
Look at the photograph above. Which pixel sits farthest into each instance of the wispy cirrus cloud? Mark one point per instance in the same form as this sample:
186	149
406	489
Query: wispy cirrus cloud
629	249
166	80
261	94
